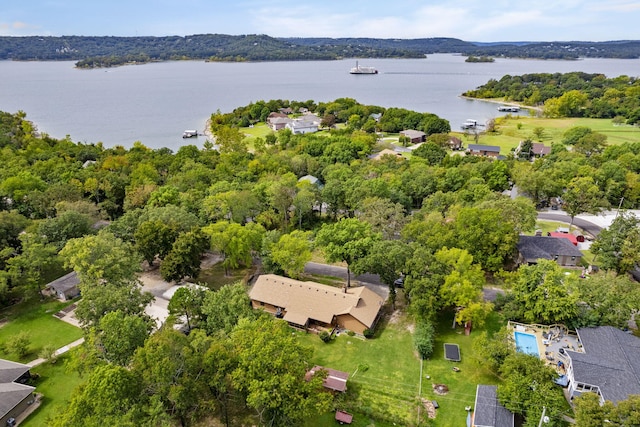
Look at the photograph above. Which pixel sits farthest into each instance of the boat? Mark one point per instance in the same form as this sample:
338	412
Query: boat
190	133
509	108
470	124
358	69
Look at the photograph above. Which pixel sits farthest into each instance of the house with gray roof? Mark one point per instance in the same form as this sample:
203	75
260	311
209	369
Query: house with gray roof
15	396
65	287
609	366
488	412
415	136
483	150
533	248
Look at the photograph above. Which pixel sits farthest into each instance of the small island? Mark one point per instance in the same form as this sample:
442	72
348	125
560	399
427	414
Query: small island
472	58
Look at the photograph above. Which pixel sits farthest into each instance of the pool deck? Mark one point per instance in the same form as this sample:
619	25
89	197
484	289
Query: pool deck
551	339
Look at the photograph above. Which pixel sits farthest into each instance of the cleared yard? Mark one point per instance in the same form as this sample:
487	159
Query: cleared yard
36	318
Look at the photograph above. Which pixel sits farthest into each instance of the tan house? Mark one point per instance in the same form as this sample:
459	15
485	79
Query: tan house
415	136
386	152
310	305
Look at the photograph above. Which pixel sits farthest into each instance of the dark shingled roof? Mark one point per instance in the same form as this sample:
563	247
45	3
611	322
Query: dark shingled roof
611	361
488	412
11	371
65	283
480	147
536	247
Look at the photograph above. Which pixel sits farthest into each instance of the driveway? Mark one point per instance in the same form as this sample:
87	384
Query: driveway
587	225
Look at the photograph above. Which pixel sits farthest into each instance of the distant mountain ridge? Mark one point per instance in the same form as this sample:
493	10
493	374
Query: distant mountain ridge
100	51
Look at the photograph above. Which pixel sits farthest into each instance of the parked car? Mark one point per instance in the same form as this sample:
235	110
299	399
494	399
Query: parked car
399	282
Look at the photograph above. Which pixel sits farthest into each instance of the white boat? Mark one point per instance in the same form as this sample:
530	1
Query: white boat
190	133
509	108
358	69
470	124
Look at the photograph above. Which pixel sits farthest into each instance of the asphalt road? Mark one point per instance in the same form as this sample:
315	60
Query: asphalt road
589	227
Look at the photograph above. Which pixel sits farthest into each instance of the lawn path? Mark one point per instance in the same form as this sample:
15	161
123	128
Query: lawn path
58	352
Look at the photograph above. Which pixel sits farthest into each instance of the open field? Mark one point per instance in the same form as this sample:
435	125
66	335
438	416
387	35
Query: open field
36	317
384	373
513	129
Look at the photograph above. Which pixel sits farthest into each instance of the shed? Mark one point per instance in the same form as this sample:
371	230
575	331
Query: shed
344	417
334	381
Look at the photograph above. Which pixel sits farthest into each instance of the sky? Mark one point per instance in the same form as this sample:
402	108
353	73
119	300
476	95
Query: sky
469	20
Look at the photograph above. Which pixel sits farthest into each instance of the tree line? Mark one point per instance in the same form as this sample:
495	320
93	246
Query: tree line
104	51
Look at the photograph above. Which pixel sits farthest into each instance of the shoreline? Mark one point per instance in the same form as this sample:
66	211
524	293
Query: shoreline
510	103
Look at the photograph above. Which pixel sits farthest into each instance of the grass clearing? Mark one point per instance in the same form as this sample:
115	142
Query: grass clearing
512	129
385	374
56	384
36	317
214	277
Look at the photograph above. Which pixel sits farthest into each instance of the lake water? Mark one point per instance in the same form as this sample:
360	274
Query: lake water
154	103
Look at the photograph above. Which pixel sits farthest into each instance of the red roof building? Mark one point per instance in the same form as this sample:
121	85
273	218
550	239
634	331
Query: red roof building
344	417
335	380
570	237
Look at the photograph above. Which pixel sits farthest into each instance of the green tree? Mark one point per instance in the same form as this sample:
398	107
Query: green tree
616	247
347	240
118	335
187	301
582	195
153	239
19	343
271	370
184	258
224	308
67	225
235	242
423	339
291	252
542	291
385	216
99	299
431	152
589	412
102	257
494	349
11	225
32	268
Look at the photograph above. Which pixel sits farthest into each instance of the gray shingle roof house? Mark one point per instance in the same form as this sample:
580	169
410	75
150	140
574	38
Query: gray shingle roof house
65	287
15	397
488	412
609	366
483	150
533	248
415	136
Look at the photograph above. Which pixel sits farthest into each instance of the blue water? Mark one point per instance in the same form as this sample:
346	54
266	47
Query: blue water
526	343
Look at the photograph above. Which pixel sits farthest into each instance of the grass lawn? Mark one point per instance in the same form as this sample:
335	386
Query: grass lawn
385	374
36	317
56	385
511	130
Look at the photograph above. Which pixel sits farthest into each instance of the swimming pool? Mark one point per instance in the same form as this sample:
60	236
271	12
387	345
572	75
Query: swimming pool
526	343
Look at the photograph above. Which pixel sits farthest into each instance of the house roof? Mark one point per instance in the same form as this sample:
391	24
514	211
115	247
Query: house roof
309	300
536	247
570	237
12	394
480	147
65	283
385	152
11	371
413	134
488	412
610	361
335	380
540	149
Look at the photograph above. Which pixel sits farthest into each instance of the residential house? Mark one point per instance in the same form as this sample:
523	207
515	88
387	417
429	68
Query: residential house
488	412
299	127
609	365
334	381
540	150
311	180
310	305
455	143
483	150
415	136
286	110
560	235
65	287
278	123
533	248
15	395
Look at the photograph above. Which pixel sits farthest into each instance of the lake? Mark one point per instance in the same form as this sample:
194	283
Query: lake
154	103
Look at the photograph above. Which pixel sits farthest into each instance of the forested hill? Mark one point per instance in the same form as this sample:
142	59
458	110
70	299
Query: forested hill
106	51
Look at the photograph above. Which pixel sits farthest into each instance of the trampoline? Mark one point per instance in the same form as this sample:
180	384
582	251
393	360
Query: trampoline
452	352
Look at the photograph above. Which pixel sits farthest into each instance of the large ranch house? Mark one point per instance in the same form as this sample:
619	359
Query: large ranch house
316	307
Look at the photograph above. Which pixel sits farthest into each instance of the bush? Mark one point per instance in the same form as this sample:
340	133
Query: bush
423	339
368	333
48	353
351	333
19	344
325	336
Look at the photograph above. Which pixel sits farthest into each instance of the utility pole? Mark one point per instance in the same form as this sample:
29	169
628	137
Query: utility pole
543	419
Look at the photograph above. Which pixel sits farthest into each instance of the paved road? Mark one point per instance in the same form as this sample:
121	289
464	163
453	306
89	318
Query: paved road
589	227
371	281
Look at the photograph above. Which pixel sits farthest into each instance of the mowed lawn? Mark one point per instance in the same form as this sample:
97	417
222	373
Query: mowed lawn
512	130
384	373
36	318
56	383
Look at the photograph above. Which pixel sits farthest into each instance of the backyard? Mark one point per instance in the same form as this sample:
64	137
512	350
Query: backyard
36	318
385	374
